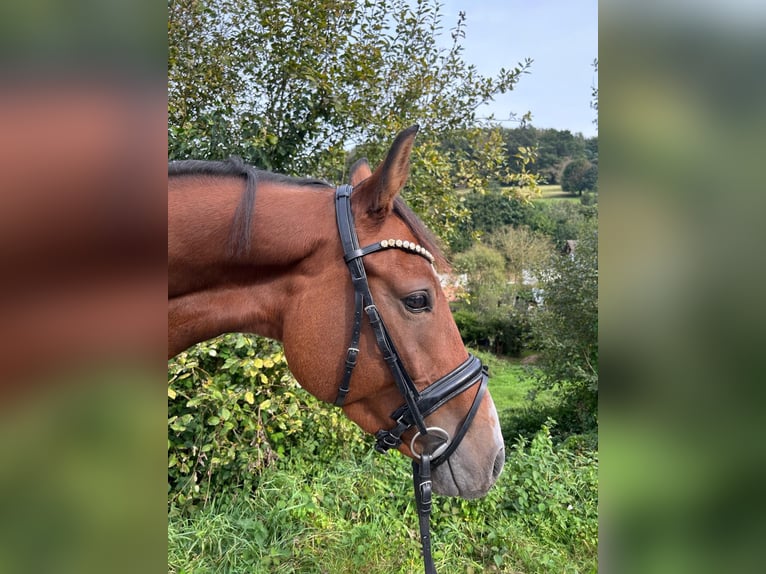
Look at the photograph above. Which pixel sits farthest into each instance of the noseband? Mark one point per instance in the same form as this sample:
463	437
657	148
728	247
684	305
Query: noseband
437	446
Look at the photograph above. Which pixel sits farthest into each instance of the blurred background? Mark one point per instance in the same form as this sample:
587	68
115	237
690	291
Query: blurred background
682	118
82	286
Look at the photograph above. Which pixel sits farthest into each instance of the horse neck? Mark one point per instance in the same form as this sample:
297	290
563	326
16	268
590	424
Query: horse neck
212	292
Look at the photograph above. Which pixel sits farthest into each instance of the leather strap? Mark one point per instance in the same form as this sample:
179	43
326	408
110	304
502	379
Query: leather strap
363	297
421	475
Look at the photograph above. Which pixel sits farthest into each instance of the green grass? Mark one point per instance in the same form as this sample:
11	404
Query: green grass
358	516
555	193
510	383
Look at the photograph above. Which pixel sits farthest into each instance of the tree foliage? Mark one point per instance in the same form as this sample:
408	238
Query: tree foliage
579	175
485	270
566	328
493	211
594	93
554	148
289	85
497	312
523	250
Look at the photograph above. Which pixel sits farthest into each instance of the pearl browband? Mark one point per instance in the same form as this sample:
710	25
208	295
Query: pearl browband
408	246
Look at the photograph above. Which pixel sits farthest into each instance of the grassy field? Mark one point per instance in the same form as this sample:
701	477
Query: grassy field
510	382
555	193
358	516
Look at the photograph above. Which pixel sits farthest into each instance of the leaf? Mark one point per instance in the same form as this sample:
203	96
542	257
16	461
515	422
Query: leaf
171	393
265	404
249	397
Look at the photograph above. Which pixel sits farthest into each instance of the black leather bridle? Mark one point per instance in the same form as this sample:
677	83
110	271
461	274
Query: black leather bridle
437	445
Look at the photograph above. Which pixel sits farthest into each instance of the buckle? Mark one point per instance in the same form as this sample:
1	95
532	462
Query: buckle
425	496
386	441
351	356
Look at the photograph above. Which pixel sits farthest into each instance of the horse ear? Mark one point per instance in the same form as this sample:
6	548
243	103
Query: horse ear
359	172
376	195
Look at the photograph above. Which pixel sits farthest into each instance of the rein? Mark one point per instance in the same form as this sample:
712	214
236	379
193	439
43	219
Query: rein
437	445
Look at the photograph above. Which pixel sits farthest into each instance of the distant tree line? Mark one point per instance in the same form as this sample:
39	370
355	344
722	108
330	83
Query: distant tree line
555	150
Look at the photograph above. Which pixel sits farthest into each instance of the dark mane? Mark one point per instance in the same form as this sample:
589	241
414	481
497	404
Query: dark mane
239	243
422	234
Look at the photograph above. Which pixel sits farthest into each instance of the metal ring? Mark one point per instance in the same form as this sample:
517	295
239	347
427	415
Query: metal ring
440	432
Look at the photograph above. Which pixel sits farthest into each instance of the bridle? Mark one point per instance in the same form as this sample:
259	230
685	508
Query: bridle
437	446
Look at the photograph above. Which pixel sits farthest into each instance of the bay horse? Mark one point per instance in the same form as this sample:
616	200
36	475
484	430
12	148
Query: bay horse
257	252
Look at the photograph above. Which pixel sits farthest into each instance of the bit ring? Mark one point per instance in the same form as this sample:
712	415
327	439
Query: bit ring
431	431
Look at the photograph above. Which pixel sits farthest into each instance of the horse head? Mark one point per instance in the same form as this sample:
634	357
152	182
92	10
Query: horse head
399	269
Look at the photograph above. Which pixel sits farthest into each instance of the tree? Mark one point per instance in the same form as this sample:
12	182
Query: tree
488	213
566	328
579	175
554	148
523	250
490	318
594	93
487	280
290	85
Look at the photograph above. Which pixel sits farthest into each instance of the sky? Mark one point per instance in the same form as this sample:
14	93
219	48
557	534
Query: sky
561	36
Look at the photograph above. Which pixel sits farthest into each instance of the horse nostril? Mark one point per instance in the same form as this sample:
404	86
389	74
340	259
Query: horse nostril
499	462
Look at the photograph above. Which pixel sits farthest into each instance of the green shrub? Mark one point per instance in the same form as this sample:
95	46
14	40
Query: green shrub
555	490
503	332
589	198
233	409
570	429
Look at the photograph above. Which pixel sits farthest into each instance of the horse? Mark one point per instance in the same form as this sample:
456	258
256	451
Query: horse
257	252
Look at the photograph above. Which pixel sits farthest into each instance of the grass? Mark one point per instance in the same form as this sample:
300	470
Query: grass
554	192
510	383
358	516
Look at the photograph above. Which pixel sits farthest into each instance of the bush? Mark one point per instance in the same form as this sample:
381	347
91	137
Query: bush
566	327
503	332
233	409
555	490
571	428
589	198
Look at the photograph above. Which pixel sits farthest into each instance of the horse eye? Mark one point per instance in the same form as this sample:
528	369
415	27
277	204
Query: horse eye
417	302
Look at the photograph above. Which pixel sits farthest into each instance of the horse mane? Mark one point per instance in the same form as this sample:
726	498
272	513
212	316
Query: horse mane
239	243
422	234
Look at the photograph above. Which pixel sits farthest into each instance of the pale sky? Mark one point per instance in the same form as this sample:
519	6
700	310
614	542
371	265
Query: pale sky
561	36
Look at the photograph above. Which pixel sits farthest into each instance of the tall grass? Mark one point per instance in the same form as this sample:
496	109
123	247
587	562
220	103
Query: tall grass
325	504
359	516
